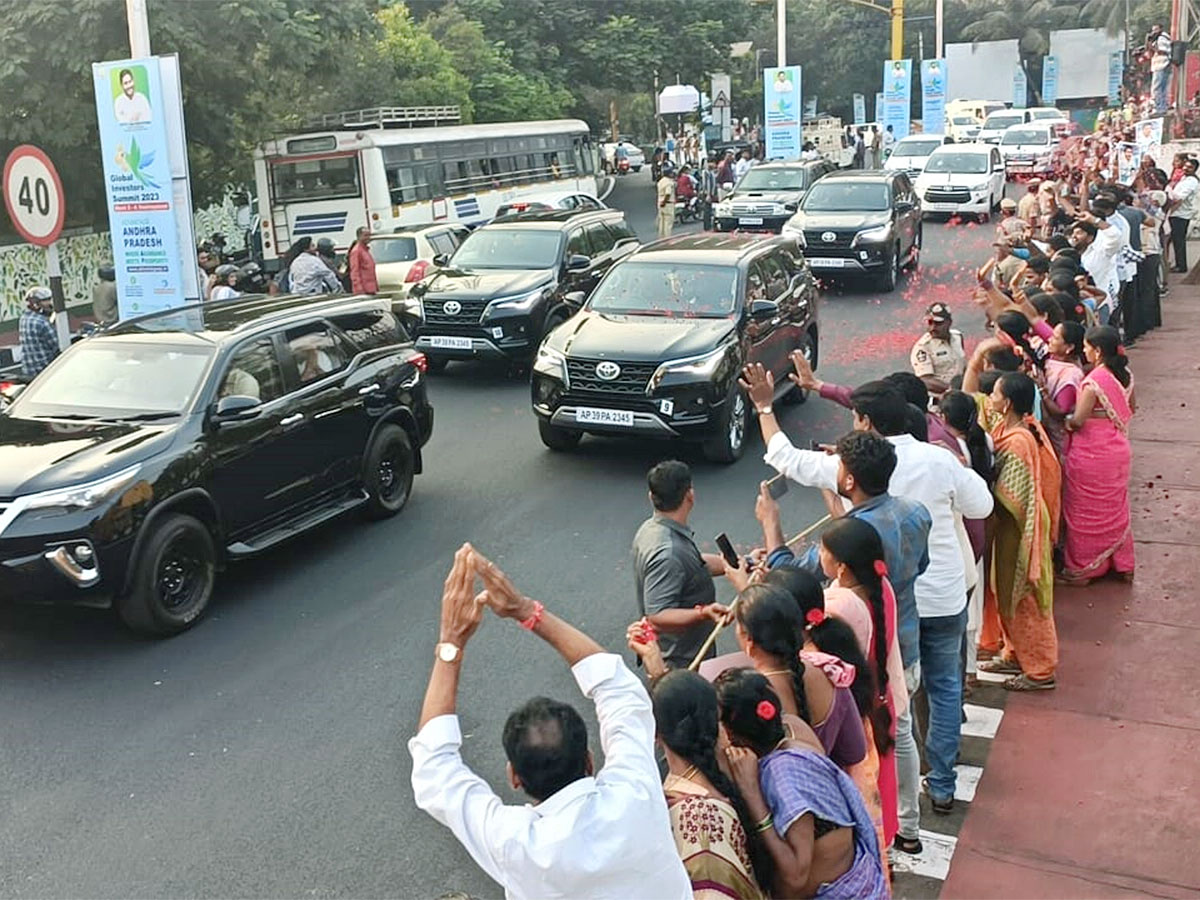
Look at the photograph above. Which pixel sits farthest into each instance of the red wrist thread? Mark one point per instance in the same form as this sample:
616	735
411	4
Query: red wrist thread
535	619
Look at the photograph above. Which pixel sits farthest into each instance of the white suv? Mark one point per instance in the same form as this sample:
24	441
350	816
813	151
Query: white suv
1028	149
995	124
961	178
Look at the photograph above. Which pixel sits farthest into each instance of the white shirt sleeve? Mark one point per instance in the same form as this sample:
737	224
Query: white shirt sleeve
812	468
626	720
972	497
1109	240
449	791
1184	189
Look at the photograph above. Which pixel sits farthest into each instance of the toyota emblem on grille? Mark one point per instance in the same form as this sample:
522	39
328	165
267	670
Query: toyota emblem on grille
452	307
828	236
607	371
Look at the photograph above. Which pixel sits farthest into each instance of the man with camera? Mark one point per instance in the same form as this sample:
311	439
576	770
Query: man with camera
1158	42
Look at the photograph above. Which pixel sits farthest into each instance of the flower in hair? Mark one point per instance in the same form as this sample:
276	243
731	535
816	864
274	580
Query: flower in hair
881	568
814	616
1120	350
765	710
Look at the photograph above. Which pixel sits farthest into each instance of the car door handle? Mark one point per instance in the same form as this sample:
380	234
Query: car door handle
369	389
293	419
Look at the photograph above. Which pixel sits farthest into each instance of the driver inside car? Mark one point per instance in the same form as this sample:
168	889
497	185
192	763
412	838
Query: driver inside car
240	383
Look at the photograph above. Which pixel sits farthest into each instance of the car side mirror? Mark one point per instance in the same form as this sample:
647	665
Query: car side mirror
441	259
237	408
762	310
577	262
575	298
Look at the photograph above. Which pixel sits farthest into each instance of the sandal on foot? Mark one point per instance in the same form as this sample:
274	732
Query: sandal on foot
982	654
911	846
1000	666
1024	683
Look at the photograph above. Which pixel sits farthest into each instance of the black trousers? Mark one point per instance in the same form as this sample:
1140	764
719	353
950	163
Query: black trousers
1179	230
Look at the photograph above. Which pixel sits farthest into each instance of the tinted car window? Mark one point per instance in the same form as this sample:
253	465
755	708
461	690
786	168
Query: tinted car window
621	231
316	351
370	329
777	278
588	203
667	289
253	371
846	196
509	248
394	249
600	238
578	244
441	242
756	282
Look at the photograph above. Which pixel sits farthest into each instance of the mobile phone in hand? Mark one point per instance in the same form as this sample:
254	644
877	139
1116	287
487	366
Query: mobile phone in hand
778	486
727	550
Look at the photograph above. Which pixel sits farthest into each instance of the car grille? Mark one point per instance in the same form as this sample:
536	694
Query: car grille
753	209
841	240
632	381
470	314
942	196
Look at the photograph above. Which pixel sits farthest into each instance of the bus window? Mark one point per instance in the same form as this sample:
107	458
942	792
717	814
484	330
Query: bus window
588	156
315	179
416	182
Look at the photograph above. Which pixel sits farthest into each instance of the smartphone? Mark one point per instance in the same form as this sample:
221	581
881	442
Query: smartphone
814	445
727	550
777	487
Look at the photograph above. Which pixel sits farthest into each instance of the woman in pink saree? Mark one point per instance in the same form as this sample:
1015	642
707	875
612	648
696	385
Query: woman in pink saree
1097	463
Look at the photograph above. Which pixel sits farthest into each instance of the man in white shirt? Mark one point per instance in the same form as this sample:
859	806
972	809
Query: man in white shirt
934	477
742	166
131	107
1099	244
1159	44
1183	199
584	835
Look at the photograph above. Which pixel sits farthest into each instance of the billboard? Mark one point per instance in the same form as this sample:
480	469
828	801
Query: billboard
933	96
781	112
1082	56
897	96
975	71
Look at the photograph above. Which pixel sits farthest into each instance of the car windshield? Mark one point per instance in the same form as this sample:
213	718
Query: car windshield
847	196
1025	136
394	249
1046	114
766	179
509	248
995	120
909	147
115	379
963	120
961	162
667	289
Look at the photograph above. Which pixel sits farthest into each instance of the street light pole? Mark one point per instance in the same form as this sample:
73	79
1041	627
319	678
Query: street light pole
139	28
897	29
781	32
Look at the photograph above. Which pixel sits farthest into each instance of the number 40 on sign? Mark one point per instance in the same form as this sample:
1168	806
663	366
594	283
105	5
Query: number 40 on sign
34	196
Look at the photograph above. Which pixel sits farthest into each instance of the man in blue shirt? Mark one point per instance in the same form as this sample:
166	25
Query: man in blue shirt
39	340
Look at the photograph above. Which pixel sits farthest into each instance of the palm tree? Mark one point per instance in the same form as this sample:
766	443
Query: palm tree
1030	22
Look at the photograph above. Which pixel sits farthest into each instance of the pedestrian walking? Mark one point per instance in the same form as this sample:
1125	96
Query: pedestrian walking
39	340
674	580
860	149
665	191
362	264
104	295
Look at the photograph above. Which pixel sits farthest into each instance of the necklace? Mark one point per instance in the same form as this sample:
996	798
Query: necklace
776	672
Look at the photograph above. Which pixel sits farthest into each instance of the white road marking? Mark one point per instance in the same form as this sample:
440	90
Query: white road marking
982	721
966	782
934	859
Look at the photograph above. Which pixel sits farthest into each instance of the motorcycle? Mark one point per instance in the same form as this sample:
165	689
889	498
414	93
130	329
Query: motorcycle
623	166
688	209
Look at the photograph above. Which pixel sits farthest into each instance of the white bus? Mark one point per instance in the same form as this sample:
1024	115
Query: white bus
396	167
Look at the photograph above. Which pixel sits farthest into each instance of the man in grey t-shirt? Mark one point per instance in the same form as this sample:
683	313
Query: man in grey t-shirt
674	579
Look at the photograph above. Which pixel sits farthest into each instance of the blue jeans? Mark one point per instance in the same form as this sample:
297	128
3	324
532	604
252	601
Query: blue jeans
942	678
1158	87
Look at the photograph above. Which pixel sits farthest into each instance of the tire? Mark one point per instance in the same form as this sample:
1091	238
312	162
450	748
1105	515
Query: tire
914	258
172	579
388	469
798	395
553	321
887	280
558	439
729	441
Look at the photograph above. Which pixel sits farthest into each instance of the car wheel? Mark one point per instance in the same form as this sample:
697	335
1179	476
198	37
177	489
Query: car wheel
637	168
729	441
914	254
798	394
388	472
560	439
172	577
887	281
553	321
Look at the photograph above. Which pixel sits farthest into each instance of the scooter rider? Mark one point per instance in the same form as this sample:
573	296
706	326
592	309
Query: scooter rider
224	287
39	340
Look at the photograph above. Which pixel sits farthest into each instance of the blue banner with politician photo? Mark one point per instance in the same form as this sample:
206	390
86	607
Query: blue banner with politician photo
933	96
860	109
782	111
137	182
897	96
1049	80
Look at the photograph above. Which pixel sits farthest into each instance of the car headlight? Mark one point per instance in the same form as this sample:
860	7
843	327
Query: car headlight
551	362
82	496
411	306
724	209
702	366
520	303
873	234
982	186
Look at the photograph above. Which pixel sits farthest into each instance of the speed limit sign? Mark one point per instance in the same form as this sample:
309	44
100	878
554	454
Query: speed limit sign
33	193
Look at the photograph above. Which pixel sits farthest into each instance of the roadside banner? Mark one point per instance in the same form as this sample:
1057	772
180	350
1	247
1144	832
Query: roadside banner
1020	87
1049	80
137	182
879	109
810	107
897	96
781	113
860	109
1116	71
933	96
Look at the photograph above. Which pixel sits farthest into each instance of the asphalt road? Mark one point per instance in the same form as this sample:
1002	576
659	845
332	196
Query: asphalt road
263	753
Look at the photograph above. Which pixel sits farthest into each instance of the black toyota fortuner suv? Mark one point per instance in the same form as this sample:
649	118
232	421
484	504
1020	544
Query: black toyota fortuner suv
148	455
513	280
658	347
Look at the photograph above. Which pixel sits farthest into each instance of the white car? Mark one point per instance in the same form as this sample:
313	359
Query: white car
572	200
996	123
963	128
910	153
406	256
961	179
633	152
1037	113
1028	149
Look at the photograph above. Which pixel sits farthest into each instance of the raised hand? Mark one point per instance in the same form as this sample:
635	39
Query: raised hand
643	640
804	376
499	592
759	385
462	610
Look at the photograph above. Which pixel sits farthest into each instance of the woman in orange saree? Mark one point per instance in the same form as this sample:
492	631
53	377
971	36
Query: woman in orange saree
1027	487
1097	463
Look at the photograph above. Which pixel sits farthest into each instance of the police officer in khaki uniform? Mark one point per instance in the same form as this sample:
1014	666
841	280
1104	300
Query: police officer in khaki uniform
939	354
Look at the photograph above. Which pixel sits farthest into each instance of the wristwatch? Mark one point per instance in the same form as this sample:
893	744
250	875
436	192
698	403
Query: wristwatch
448	652
765	411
